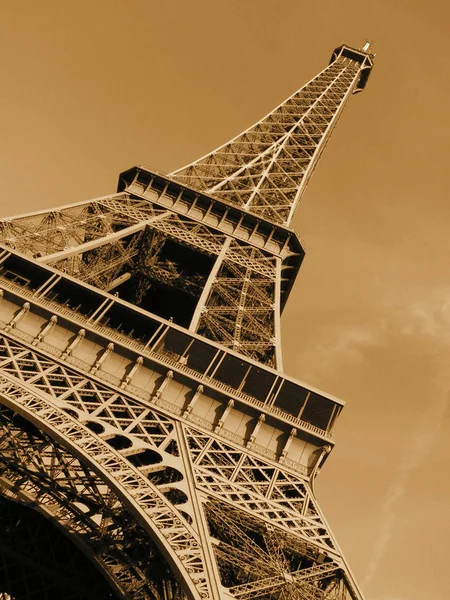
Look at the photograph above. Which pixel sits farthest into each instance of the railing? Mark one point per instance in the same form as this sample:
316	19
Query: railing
171	408
160	357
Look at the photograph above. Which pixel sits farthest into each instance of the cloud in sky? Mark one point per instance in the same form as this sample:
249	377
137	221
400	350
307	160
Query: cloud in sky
425	325
427	321
421	442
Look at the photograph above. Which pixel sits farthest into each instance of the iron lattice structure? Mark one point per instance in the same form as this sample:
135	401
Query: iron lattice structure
151	447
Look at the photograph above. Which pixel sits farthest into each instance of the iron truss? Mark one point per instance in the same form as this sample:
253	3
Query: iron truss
266	168
187	482
108	241
149	484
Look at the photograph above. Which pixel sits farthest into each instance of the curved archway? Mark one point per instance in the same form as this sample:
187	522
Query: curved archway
96	521
56	423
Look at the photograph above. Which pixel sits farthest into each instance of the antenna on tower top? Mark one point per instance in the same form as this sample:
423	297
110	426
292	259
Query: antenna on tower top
367	45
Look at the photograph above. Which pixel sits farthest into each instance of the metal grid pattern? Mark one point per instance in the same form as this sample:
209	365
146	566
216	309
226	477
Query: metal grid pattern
147	504
168	510
245	495
266	168
240	311
39	472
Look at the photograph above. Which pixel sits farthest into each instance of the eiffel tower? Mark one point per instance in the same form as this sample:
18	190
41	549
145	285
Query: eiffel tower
151	446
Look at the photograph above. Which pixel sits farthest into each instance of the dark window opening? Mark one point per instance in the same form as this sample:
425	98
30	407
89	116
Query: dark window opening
95	427
159	299
291	398
231	371
258	383
76	297
145	458
202	203
16	278
174	342
176	496
129	322
200	356
119	442
25	273
318	411
169	284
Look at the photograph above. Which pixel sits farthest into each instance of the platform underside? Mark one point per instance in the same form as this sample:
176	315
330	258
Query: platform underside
133	476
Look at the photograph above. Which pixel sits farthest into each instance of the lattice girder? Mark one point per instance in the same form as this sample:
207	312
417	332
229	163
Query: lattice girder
75	498
112	249
47	324
274	565
147	505
240	310
266	168
47	232
116	414
254	485
223	472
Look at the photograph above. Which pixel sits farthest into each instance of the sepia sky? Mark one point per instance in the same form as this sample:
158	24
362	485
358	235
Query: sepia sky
90	88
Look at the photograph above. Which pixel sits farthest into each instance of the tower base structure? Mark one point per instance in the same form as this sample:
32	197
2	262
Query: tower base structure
173	451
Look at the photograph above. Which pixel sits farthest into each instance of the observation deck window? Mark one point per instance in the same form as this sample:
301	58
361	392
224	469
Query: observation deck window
129	322
76	297
291	398
174	343
318	411
258	383
23	273
200	356
232	371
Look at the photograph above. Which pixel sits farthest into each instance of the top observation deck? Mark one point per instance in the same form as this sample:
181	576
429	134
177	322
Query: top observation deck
361	56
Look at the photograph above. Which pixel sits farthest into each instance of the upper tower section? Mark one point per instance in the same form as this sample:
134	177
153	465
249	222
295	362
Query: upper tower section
363	57
208	248
266	168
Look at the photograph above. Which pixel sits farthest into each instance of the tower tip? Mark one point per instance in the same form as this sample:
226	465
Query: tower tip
368	47
363	56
